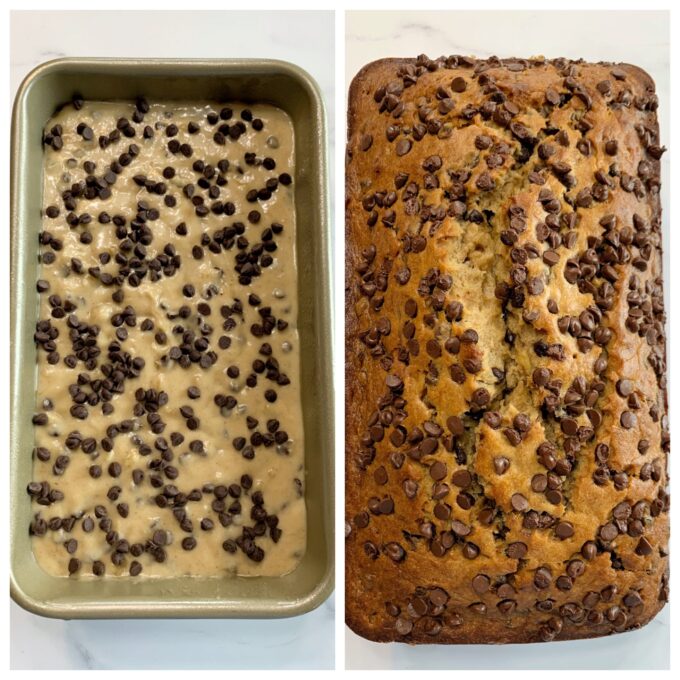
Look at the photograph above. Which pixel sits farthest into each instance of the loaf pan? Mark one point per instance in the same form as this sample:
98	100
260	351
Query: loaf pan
275	82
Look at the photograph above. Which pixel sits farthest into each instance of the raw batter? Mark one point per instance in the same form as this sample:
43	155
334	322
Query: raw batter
168	425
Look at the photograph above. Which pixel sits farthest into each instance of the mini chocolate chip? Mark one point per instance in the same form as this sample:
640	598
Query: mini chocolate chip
517	550
438	471
519	502
188	543
501	465
403	147
564	530
458	84
624	387
628	420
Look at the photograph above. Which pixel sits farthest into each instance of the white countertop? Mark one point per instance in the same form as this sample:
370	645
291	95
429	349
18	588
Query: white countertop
302	642
640	38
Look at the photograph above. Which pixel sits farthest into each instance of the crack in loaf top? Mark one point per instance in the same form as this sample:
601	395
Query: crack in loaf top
506	376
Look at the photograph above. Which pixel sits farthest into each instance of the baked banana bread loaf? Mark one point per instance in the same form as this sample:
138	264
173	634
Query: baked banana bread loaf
506	410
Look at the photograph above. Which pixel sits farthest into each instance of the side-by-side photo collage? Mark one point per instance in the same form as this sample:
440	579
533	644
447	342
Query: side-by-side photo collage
339	338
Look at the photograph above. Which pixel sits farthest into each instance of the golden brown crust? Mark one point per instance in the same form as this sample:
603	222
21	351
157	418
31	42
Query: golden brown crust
524	212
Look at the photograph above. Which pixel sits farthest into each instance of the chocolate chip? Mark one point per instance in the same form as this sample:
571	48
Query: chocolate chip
611	147
644	547
521	422
485	182
394	383
410	488
542	578
564	530
493	419
470	551
395	552
403	626
519	502
541	376
442	511
624	387
455	426
501	465
513	436
517	550
433	349
386	506
472	365
462	479
569	426
481	584
115	469
609	532
458	84
628	420
86	132
188	543
366	142
403	147
438	469
551	258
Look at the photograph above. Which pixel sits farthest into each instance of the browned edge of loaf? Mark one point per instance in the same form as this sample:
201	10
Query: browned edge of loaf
355	619
355	615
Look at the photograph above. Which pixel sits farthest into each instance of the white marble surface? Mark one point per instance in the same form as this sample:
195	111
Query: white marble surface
307	641
641	38
304	642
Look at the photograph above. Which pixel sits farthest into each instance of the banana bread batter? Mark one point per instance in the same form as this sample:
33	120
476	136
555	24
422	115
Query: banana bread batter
169	433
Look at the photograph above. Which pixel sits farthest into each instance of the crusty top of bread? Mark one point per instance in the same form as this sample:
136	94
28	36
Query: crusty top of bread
506	419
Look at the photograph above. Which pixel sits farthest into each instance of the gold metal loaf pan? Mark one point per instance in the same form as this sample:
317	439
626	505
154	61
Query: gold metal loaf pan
275	82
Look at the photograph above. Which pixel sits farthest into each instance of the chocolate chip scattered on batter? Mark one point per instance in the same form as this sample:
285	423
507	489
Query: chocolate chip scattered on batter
168	425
